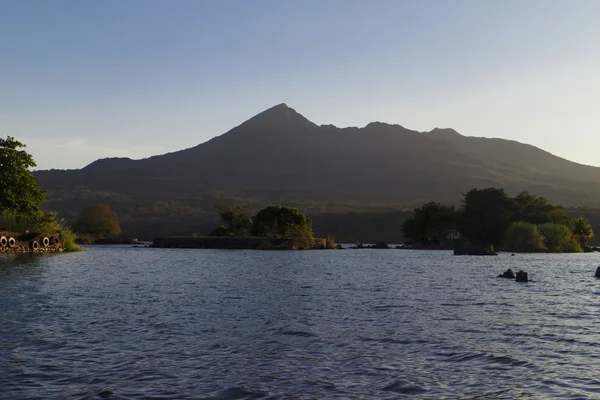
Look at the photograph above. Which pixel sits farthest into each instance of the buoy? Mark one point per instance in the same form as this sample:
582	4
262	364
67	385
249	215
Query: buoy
597	275
522	276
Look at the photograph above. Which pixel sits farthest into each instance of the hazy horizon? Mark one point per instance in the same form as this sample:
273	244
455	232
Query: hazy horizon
134	79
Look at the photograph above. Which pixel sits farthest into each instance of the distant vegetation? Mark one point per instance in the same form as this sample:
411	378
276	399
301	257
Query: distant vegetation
97	222
274	221
490	218
21	197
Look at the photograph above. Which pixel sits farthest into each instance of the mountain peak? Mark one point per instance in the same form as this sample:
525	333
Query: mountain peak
280	115
280	106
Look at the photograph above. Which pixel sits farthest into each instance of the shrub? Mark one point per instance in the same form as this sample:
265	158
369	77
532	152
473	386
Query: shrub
329	242
524	237
40	222
572	246
556	237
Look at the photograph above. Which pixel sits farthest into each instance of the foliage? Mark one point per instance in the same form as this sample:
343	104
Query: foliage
235	221
283	222
536	210
51	223
489	217
21	197
19	190
303	234
523	236
486	215
557	237
582	231
572	246
273	222
98	221
429	223
279	222
40	222
329	242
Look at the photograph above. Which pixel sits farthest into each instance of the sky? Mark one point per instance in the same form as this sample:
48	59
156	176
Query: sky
82	80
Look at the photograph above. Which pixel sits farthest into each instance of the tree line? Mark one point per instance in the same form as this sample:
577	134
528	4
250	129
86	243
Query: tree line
489	217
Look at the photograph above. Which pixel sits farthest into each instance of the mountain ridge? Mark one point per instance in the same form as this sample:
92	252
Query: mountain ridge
280	156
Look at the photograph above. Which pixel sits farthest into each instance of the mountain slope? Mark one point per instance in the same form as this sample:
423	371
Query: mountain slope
279	155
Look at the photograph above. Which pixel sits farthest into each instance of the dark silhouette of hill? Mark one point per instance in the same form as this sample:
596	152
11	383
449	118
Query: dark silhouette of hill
280	156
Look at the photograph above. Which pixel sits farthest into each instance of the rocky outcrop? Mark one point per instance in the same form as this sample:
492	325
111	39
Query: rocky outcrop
507	274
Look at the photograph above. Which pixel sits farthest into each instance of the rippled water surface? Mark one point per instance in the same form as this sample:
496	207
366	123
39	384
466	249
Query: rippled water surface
133	323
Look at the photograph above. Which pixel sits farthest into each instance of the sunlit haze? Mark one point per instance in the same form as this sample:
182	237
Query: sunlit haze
85	80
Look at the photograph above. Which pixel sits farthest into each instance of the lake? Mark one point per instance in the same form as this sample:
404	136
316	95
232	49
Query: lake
138	323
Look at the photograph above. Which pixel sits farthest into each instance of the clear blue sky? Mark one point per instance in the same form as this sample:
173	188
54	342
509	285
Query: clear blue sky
81	80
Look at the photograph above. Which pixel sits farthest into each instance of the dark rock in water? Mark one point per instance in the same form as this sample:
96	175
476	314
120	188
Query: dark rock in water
380	245
339	247
507	274
522	276
597	275
405	388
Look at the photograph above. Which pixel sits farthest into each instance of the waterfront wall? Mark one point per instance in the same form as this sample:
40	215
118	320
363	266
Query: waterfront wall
34	242
233	243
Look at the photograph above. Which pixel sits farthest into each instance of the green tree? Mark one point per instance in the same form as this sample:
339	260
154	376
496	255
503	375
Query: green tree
582	231
283	222
523	236
235	221
429	223
19	190
558	238
486	215
536	210
98	221
412	231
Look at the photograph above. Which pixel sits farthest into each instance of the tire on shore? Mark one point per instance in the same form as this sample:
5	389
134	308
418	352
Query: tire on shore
12	242
34	245
45	241
3	241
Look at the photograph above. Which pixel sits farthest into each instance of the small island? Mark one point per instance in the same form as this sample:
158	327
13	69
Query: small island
272	228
